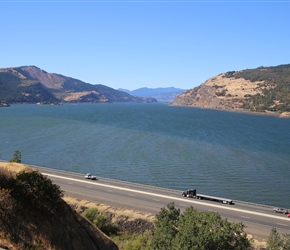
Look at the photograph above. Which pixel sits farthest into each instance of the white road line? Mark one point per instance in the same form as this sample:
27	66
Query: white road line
156	200
229	207
132	195
245	217
183	205
282	224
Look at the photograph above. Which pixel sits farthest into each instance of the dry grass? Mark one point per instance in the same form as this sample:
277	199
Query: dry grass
15	167
102	208
235	87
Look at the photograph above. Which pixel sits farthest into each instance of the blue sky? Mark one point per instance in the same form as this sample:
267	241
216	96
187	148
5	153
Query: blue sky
134	44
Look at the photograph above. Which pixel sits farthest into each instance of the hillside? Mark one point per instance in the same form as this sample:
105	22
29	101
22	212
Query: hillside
33	215
262	89
30	84
160	94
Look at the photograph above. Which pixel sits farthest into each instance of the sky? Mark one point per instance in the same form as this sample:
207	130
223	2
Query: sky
153	43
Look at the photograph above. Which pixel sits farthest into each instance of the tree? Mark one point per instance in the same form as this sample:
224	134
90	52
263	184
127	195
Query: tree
16	157
32	190
165	227
274	241
195	230
207	230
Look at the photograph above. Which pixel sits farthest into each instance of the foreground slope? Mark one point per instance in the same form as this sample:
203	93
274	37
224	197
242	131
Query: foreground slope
260	90
30	84
34	216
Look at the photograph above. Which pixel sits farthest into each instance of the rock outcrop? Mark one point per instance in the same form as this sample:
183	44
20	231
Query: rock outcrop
265	89
219	92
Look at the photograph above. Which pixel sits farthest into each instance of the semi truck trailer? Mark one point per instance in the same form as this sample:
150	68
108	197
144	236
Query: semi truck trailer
191	193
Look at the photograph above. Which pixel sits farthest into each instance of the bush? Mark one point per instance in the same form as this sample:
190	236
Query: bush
100	221
90	214
127	241
277	242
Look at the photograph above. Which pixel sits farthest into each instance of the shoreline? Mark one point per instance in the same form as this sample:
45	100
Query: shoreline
241	111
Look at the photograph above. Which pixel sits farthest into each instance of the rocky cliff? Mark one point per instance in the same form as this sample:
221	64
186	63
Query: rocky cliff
265	89
219	92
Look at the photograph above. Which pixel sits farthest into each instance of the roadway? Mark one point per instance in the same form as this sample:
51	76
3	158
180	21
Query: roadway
259	219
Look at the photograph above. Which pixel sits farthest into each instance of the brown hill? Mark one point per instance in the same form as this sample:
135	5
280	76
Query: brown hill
34	216
219	92
261	90
30	84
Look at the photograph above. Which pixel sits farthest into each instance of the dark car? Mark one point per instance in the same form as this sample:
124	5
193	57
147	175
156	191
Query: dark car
280	210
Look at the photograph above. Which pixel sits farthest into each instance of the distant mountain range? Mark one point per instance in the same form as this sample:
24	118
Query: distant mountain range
160	94
30	84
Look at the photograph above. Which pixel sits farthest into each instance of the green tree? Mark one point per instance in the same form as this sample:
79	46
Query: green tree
165	227
16	157
207	230
195	230
274	241
34	191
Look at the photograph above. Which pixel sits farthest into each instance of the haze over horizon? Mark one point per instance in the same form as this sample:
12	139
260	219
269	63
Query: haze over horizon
135	44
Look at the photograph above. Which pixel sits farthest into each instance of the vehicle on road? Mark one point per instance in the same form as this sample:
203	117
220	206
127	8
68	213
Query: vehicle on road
191	193
288	215
280	210
90	176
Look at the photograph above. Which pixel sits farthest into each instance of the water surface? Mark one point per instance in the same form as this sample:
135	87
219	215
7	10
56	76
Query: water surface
233	155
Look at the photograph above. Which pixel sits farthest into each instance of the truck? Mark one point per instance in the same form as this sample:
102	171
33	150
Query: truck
191	193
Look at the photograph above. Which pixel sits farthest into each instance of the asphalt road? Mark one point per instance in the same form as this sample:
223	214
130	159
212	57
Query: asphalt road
259	219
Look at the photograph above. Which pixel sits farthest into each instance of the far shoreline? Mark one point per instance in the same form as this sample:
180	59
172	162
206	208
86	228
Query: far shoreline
241	111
